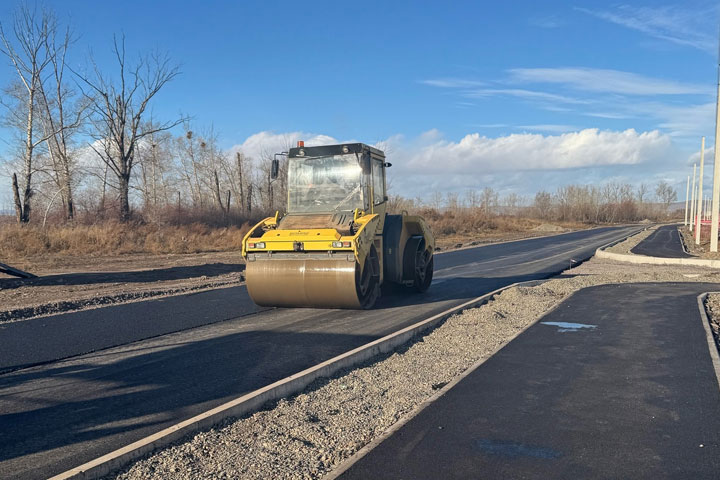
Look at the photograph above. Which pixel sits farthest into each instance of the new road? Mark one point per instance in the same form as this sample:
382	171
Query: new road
664	242
616	383
61	413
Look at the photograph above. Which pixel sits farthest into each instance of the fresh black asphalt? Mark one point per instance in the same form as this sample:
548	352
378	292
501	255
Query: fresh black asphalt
58	415
617	382
664	242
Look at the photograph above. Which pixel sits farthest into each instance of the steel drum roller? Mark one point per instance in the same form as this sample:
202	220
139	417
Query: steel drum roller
303	280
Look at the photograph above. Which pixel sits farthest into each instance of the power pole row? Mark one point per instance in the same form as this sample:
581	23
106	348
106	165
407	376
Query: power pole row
697	205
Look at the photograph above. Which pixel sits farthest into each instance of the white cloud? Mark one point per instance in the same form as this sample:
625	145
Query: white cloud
682	121
608	115
548	21
553	128
690	27
587	148
606	81
523	163
262	143
526	94
452	83
489	125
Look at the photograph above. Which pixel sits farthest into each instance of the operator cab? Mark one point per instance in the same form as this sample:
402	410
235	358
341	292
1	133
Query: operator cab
335	178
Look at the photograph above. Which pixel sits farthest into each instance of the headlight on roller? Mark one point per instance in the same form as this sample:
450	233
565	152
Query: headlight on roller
256	245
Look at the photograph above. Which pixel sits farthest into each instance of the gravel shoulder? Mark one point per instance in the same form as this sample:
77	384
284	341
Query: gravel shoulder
309	435
712	307
631	242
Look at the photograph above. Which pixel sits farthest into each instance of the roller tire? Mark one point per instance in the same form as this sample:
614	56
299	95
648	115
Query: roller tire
367	282
424	266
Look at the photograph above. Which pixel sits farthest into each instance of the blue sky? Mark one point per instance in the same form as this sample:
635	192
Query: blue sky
463	94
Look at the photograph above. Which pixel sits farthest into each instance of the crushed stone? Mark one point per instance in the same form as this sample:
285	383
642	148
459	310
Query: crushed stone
712	307
631	242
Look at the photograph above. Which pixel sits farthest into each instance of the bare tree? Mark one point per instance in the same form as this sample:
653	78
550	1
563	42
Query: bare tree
154	162
60	118
543	204
512	202
666	194
642	192
488	200
28	49
118	109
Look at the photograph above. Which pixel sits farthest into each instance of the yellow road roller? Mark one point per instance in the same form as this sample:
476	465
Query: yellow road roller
336	245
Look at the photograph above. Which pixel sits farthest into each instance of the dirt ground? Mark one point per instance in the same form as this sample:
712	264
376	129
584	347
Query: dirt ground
703	249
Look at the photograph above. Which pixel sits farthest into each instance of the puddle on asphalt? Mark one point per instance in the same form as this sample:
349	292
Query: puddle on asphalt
511	449
569	327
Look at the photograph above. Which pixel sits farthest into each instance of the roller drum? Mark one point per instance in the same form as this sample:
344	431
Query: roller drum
303	280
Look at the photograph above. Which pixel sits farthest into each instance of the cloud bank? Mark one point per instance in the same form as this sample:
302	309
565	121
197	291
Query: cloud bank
516	162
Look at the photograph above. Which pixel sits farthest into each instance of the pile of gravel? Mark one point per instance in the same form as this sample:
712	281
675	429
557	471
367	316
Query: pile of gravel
309	435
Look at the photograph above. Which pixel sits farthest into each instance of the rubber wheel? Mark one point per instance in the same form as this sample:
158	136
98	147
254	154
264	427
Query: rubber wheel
424	264
367	282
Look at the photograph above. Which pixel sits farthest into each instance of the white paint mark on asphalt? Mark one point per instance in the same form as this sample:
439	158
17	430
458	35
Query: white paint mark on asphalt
569	327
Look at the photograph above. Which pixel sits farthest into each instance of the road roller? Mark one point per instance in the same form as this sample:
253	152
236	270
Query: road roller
336	245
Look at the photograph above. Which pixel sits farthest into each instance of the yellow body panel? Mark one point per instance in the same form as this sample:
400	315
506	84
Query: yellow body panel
313	240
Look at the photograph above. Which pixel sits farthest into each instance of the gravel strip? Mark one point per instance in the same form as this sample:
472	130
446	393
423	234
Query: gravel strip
629	243
308	435
91	301
712	307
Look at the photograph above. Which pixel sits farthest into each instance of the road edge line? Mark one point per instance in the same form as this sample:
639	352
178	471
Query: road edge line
254	400
714	356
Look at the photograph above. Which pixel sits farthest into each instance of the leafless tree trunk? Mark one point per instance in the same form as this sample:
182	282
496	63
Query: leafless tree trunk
118	112
28	53
241	191
16	195
60	120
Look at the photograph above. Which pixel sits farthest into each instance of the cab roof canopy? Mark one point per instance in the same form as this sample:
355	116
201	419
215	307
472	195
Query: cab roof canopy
328	150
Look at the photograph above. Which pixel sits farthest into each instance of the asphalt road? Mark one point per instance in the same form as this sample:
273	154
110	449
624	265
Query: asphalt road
664	242
617	382
60	414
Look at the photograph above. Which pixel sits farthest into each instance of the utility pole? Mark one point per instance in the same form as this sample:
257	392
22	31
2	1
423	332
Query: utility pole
716	171
692	200
687	199
699	212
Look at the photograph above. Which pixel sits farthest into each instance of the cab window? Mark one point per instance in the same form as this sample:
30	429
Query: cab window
378	182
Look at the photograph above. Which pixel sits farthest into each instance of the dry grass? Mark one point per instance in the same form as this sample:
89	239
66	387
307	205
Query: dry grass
452	228
113	238
108	237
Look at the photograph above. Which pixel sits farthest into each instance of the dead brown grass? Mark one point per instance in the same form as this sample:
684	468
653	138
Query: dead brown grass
108	237
452	228
113	238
